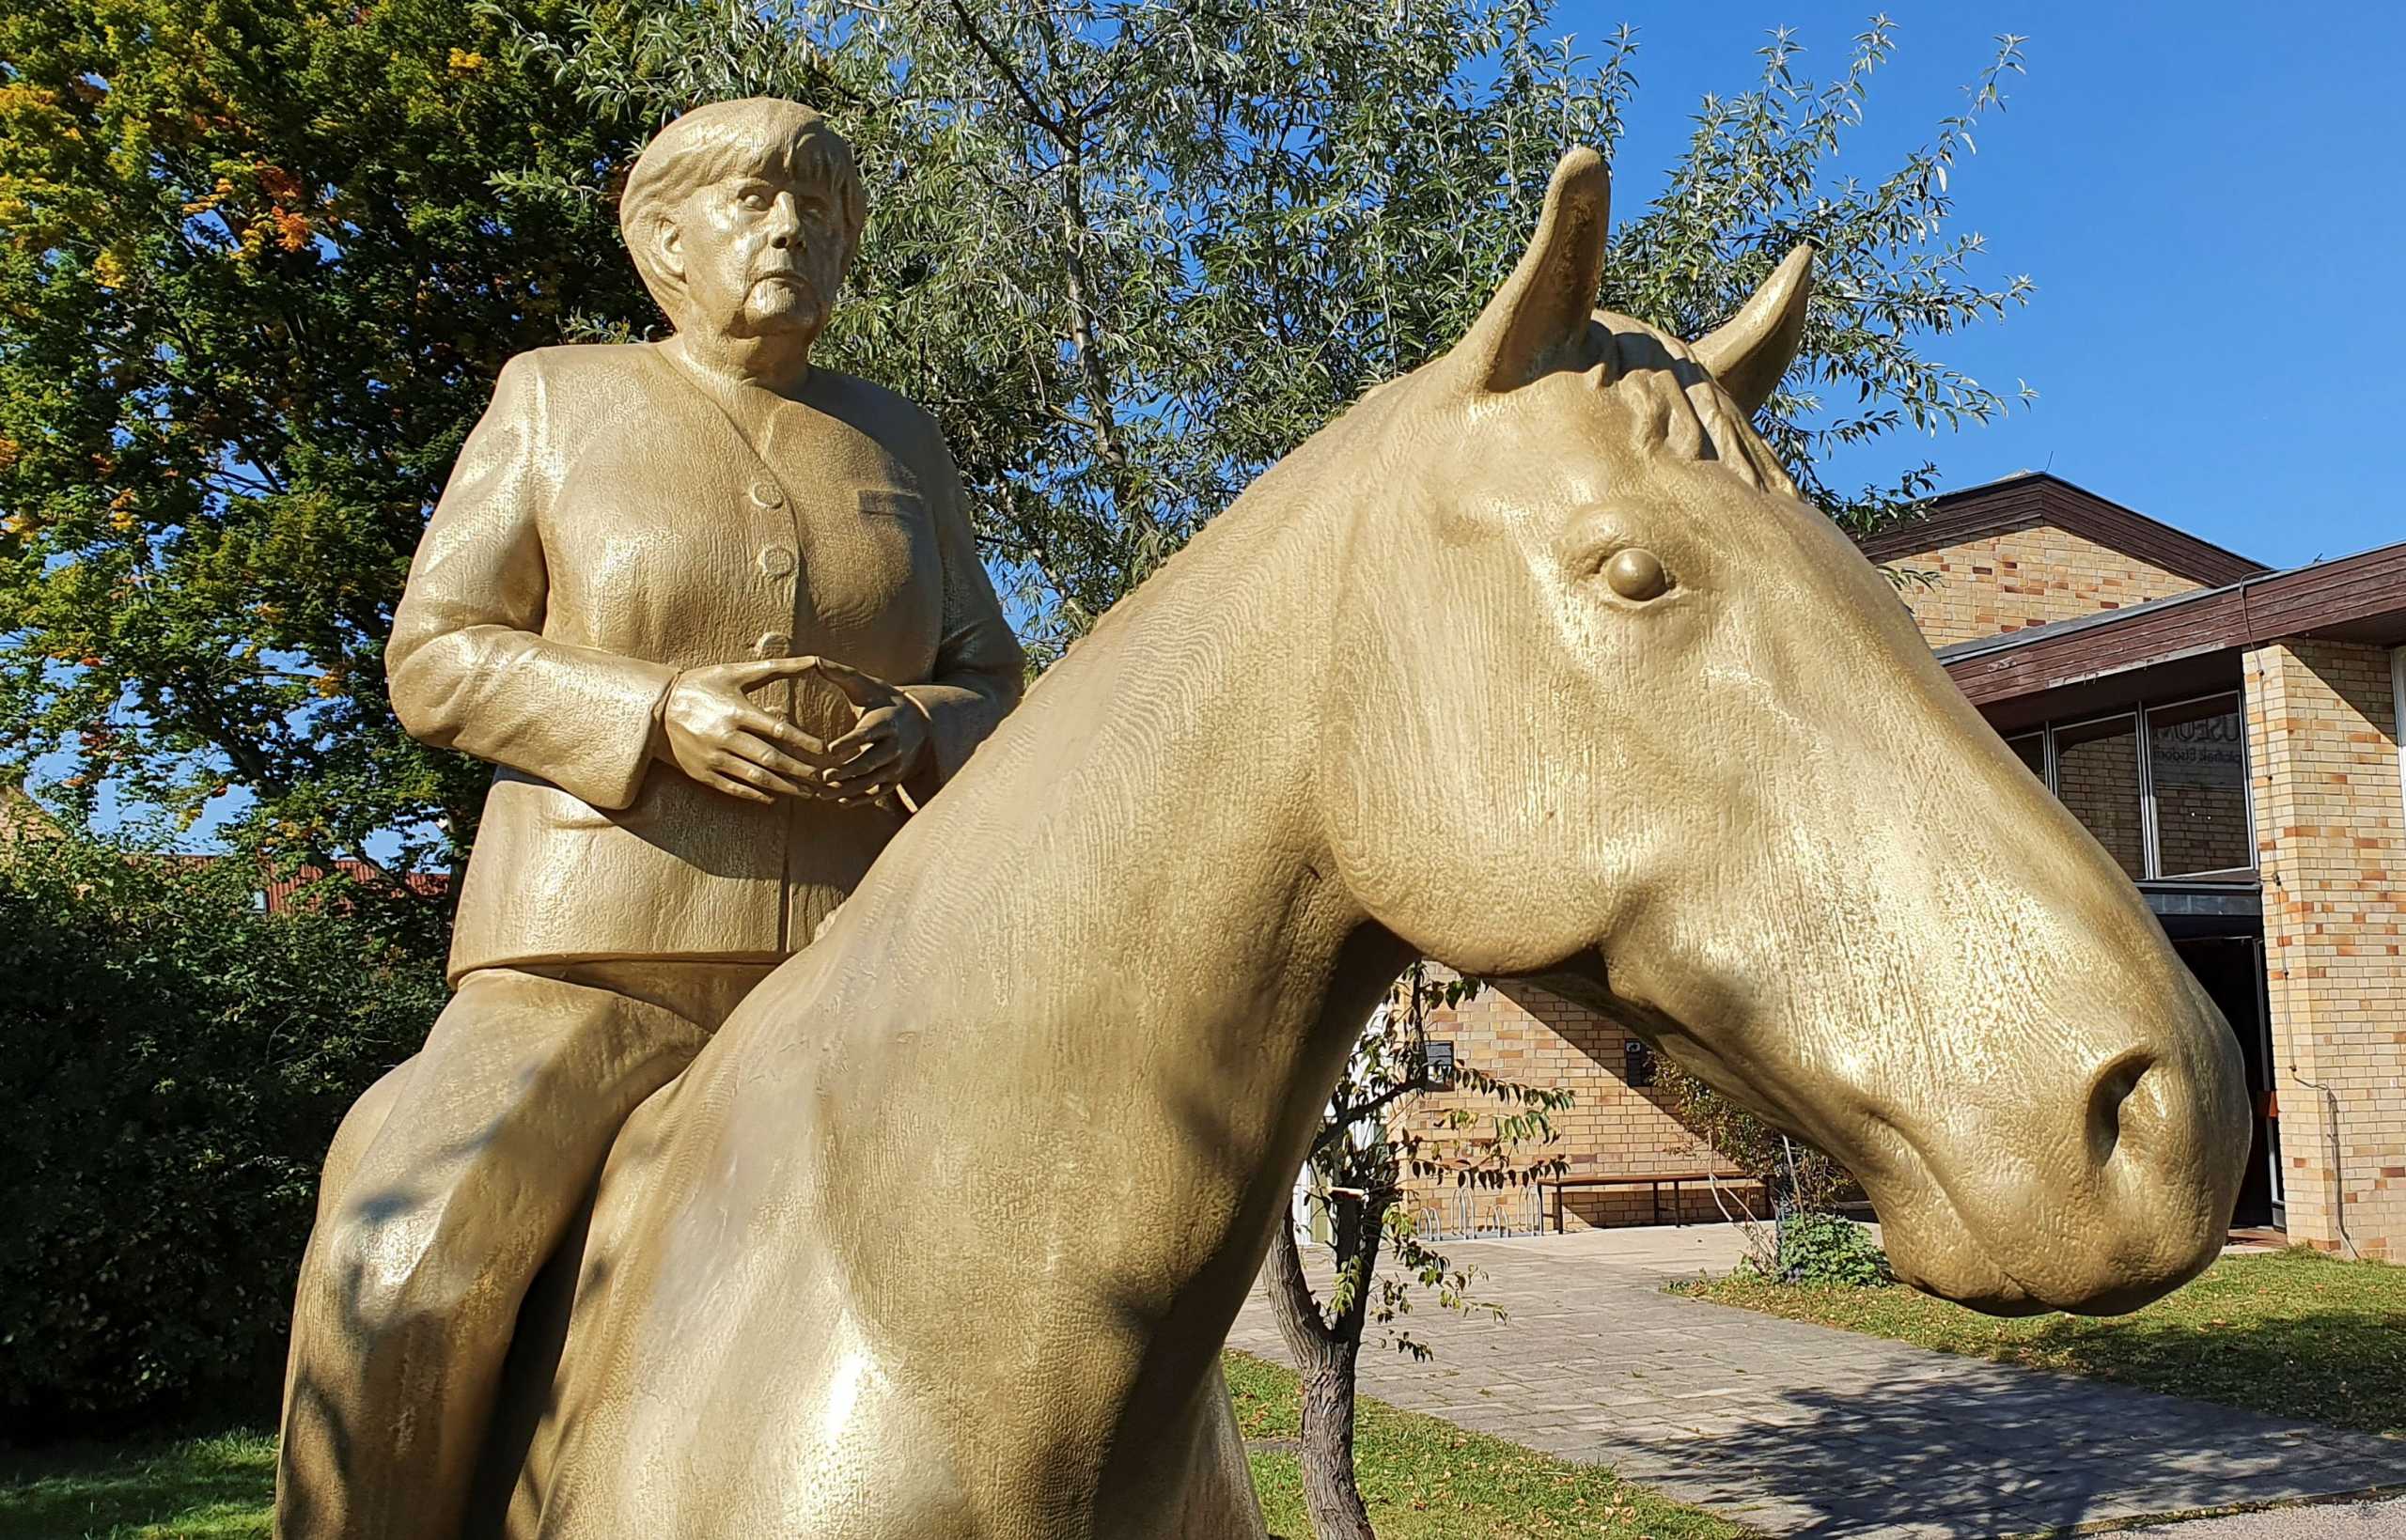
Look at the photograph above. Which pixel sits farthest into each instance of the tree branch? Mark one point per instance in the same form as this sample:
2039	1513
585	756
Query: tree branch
1343	1119
1036	111
1290	1296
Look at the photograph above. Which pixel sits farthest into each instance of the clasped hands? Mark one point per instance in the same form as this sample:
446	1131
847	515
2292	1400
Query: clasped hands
714	732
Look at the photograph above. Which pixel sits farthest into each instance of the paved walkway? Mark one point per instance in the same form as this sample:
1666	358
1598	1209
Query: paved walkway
2383	1521
1802	1430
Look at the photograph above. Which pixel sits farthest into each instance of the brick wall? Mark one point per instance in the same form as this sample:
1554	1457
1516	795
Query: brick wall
1521	1033
2331	844
2011	583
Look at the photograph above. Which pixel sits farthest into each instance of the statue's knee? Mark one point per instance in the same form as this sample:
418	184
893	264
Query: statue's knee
382	1281
357	1130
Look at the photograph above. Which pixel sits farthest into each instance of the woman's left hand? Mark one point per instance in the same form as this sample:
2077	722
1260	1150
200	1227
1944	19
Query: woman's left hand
891	742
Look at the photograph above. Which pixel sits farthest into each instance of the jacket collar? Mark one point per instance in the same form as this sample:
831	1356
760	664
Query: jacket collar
718	405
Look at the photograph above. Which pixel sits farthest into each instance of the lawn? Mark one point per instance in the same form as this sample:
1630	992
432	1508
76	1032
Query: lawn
1425	1479
2288	1333
1428	1480
213	1488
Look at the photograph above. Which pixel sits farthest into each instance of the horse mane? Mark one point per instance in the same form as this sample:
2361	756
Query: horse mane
1677	407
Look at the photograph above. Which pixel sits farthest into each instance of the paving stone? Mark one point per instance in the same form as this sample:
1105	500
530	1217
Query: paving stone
1797	1429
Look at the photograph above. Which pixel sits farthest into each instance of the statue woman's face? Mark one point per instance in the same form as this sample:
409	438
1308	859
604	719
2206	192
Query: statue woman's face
758	252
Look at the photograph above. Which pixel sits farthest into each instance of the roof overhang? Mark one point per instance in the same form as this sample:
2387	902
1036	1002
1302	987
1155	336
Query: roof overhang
2353	599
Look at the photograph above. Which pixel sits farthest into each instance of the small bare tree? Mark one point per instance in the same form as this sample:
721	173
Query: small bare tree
1363	1155
1796	1178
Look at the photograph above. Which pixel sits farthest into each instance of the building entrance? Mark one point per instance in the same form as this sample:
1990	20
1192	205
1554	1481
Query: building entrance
2231	967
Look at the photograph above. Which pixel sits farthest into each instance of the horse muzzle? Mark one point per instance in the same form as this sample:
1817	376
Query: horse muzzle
2096	1204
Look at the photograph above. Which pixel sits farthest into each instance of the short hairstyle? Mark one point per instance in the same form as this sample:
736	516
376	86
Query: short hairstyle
716	141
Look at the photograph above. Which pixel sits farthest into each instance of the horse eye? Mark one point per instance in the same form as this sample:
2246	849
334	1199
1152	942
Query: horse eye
1637	574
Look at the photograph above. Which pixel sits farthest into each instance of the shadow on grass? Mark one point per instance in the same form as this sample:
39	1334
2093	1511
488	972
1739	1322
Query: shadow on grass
1983	1449
2291	1334
213	1488
2343	1367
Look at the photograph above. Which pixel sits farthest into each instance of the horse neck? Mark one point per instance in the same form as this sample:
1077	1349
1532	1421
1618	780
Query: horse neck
1146	968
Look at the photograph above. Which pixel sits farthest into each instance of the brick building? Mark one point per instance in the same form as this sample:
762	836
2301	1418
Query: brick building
2230	735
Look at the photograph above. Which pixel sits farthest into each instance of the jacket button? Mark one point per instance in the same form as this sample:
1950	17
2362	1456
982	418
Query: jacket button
776	560
773	645
767	495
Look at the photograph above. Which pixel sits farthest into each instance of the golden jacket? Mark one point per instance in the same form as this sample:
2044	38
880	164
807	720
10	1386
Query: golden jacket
607	525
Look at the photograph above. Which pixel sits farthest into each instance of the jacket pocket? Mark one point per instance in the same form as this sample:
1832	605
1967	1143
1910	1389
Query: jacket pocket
893	503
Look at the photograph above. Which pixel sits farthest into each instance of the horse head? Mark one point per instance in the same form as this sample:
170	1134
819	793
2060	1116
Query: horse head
1694	766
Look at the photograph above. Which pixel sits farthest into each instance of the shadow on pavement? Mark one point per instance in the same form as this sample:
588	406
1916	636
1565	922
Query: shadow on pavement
2002	1451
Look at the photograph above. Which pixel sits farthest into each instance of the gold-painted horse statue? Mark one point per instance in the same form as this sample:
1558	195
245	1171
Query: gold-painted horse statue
1535	664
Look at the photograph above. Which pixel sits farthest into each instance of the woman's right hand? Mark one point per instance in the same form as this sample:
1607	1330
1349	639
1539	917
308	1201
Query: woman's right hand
714	734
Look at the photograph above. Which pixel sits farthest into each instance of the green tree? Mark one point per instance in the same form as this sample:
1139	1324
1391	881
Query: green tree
255	285
177	1059
1131	252
262	258
1364	1154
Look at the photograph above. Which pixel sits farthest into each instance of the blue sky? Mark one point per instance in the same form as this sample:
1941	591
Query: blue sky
2206	196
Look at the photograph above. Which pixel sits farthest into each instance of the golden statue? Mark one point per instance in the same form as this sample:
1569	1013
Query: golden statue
719	618
1534	665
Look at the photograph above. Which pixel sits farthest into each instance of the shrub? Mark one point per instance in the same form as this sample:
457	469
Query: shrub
1822	1250
1798	1175
177	1061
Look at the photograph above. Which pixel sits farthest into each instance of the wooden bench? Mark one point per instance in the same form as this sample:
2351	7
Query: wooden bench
1655	1179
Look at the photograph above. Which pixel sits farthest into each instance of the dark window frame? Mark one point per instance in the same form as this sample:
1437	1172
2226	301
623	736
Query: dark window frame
2151	852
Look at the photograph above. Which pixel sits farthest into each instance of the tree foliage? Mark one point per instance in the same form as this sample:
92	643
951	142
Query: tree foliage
263	257
255	285
177	1059
1131	252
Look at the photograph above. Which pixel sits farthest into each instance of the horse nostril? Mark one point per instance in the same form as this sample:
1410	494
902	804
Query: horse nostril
2107	1094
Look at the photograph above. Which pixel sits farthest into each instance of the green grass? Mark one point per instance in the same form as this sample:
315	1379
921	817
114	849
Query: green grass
213	1488
1424	1479
2288	1333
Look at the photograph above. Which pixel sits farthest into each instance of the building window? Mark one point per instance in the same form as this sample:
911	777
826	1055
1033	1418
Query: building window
2197	771
2164	788
2096	777
1440	1065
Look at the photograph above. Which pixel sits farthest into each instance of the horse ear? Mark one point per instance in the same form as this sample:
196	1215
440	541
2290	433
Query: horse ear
1749	352
1544	306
